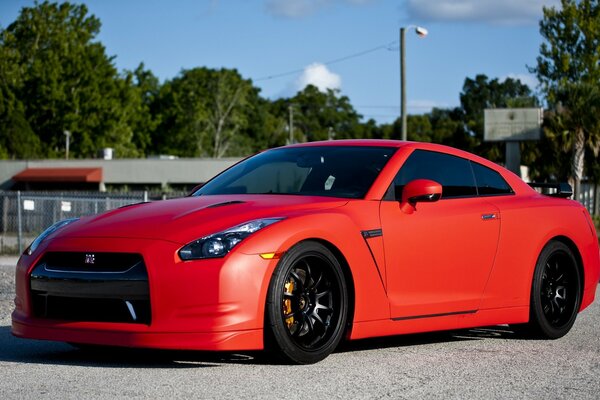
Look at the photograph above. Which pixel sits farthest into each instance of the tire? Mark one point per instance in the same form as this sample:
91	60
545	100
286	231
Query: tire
307	305
555	293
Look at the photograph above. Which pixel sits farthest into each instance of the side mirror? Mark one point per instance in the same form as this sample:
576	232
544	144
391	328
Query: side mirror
419	191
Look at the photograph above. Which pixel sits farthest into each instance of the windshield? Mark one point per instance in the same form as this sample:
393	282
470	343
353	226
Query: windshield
344	171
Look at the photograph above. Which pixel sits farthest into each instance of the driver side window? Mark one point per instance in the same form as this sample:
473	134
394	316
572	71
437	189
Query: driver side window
453	173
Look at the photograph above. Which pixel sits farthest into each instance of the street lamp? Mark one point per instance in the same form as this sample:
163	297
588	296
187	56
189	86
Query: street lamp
68	135
421	32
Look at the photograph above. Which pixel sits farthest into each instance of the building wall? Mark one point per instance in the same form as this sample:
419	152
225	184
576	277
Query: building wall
190	171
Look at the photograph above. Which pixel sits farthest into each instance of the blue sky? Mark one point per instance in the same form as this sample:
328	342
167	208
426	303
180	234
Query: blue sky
263	38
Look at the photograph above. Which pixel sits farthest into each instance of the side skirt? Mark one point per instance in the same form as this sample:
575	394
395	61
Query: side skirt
430	323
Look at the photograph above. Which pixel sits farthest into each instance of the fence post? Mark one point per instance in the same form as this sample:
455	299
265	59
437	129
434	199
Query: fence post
5	204
19	223
596	209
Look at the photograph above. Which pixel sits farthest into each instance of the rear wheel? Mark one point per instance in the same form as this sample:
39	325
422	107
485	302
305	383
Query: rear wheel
555	292
307	304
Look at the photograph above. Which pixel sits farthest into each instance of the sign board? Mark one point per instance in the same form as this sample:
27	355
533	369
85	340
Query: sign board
512	124
65	206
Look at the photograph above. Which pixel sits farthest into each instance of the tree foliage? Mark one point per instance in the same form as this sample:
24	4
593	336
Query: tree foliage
570	52
323	115
204	113
462	127
481	93
17	139
568	69
62	80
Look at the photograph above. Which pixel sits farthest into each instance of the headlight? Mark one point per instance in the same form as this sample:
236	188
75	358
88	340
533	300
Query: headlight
219	244
53	228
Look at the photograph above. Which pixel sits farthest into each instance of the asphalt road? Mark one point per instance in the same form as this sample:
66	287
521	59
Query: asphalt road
488	363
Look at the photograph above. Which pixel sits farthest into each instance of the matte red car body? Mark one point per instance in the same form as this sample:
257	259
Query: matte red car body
449	272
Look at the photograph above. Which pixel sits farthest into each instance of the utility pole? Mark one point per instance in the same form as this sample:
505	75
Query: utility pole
421	32
68	135
403	82
291	127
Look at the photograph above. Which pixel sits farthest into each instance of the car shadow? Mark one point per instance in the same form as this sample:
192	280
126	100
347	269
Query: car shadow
13	349
416	339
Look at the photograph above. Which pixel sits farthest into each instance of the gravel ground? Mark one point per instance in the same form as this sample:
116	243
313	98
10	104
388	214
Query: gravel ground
489	363
7	287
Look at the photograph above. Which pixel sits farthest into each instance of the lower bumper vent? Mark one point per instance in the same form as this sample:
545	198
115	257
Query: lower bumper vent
115	291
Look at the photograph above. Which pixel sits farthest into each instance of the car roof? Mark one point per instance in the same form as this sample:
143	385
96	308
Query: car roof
399	144
515	182
355	142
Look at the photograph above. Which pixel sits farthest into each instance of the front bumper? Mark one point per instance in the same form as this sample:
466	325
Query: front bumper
117	335
215	304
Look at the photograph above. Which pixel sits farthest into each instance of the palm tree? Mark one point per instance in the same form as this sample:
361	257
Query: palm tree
575	125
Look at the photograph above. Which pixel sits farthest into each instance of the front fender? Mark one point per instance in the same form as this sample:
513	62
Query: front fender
339	230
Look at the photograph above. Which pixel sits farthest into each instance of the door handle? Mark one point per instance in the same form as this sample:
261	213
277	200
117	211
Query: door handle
490	216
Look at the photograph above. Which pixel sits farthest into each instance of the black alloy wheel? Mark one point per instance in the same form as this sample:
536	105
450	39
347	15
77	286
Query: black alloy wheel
307	304
555	293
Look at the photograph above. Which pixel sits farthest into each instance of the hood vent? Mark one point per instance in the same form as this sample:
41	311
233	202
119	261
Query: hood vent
226	203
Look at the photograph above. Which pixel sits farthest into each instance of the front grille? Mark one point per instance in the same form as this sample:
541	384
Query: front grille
114	288
90	262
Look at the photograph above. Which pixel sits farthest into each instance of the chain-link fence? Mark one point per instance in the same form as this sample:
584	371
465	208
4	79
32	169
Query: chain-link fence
590	197
24	215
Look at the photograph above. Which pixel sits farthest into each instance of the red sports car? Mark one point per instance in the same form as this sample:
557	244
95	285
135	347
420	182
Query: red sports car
299	247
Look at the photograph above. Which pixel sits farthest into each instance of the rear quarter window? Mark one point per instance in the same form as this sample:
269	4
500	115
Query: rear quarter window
489	182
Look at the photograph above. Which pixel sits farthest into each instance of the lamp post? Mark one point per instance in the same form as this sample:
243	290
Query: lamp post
68	135
291	126
421	32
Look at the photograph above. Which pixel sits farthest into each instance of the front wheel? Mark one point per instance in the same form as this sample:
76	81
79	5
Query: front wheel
307	304
555	292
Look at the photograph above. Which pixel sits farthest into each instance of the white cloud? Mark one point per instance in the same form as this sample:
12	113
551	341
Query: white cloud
293	8
320	76
527	79
303	8
511	12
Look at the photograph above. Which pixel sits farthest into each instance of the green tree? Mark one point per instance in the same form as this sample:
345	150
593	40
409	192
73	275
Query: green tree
322	115
443	126
17	139
206	112
481	93
449	128
142	101
66	82
268	124
571	129
568	68
370	130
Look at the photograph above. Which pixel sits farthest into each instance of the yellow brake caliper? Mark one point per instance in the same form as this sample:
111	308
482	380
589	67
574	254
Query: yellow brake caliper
287	304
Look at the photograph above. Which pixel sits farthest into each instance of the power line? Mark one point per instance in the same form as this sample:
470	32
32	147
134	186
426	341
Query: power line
388	47
409	106
379	116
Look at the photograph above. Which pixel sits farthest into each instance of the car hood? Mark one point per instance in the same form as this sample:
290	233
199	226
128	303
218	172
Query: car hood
186	219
